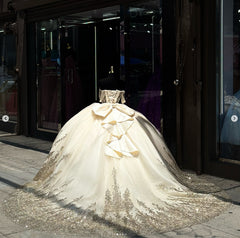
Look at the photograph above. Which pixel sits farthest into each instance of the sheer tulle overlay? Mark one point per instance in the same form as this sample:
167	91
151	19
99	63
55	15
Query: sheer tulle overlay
109	172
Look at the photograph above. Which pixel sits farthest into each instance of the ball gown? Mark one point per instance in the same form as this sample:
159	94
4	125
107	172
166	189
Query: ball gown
110	173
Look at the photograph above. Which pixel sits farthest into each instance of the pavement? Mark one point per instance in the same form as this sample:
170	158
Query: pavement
21	157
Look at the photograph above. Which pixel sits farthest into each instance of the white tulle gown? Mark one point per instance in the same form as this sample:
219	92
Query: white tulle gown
109	172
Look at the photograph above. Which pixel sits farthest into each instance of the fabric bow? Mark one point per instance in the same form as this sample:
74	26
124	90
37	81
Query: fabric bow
117	119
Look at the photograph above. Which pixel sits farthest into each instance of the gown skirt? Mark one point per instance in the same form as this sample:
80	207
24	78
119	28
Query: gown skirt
110	173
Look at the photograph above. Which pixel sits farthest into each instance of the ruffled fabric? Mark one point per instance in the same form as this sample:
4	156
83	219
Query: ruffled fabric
117	119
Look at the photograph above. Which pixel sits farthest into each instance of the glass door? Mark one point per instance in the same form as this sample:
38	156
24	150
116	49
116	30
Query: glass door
89	50
48	75
77	57
8	83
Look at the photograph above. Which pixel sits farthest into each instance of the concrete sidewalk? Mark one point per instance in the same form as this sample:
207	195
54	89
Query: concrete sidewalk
21	157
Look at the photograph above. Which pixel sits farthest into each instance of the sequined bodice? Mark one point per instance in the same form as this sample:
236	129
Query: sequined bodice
111	96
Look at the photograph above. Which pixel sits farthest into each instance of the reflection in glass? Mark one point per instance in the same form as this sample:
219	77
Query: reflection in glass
8	83
229	107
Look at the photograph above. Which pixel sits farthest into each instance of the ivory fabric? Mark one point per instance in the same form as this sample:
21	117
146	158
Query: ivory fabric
110	171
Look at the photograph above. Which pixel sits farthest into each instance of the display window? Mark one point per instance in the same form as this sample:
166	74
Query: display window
228	78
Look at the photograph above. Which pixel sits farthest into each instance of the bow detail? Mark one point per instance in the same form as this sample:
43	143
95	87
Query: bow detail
117	119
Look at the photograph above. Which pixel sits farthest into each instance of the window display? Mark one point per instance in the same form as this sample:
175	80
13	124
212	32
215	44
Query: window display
74	53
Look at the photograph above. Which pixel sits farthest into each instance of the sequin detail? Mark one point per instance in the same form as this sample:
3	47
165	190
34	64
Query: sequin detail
112	96
122	213
81	190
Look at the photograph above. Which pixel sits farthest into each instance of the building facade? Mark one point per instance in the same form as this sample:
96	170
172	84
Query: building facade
177	60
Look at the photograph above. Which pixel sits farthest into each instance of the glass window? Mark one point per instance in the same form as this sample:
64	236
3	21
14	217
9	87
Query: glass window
8	83
228	65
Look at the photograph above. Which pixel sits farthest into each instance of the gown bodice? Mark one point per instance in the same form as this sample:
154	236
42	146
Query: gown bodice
112	96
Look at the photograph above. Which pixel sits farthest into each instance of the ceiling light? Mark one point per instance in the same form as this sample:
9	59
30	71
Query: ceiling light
111	18
88	22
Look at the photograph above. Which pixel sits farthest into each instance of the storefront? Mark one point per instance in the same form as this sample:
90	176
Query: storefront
72	54
178	62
